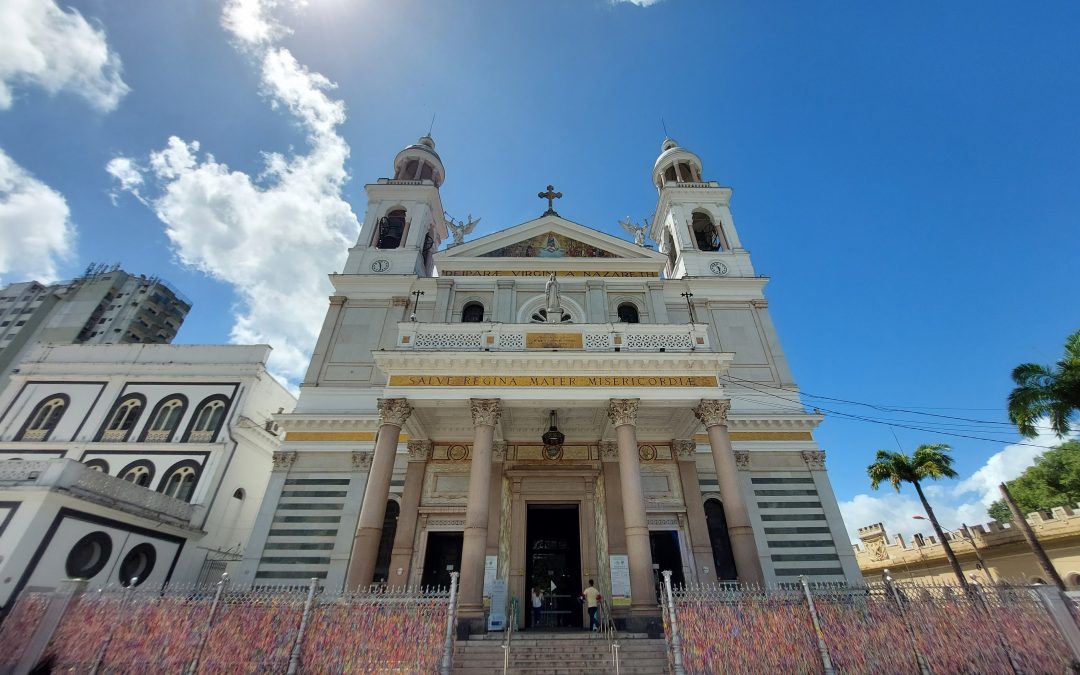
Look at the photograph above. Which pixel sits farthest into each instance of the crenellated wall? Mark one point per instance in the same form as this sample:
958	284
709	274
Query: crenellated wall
1001	545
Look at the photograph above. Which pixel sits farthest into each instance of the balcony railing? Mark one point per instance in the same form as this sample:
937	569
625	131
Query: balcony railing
516	337
67	475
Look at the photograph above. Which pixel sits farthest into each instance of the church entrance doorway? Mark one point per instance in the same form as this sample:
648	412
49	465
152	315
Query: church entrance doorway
442	557
553	565
666	556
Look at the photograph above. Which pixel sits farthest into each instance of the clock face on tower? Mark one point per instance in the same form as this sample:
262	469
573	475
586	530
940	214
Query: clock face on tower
380	265
718	268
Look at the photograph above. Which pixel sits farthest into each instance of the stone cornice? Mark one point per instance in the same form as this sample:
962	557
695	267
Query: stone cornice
806	422
328	422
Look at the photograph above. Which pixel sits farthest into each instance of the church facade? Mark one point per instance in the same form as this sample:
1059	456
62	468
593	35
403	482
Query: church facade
545	405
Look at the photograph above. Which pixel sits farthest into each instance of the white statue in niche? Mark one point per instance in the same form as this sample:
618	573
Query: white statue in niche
553	307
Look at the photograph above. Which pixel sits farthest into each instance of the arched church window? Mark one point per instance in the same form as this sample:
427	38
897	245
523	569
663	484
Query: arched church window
628	312
44	419
706	235
386	545
165	419
426	172
207	420
409	171
473	312
723	558
140	472
391	230
124	417
180	480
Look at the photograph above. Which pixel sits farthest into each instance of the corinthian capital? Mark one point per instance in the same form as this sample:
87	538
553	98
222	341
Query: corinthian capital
361	460
419	451
712	411
623	411
394	411
485	411
684	449
283	459
815	459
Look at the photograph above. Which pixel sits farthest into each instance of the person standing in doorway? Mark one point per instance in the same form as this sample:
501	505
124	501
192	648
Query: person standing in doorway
592	598
537	604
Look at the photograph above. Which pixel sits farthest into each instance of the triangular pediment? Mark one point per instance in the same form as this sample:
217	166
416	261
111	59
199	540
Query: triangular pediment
549	237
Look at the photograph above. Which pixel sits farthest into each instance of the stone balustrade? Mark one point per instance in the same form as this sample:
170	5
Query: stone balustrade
513	337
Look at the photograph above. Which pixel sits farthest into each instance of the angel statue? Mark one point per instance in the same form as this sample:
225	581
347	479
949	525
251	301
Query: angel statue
459	228
635	230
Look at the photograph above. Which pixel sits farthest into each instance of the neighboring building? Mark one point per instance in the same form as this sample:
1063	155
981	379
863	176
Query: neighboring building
132	460
104	306
416	446
1001	545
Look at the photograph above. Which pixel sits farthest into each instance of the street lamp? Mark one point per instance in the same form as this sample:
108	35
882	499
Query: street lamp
966	535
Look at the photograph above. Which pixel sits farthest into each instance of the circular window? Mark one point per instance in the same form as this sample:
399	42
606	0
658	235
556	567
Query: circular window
137	565
88	556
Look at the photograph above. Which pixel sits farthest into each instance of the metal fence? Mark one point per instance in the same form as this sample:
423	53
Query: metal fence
879	629
221	630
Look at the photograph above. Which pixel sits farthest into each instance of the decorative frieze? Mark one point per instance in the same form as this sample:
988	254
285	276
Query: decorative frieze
623	411
609	451
361	461
283	459
419	451
394	411
684	449
713	411
742	459
815	459
485	411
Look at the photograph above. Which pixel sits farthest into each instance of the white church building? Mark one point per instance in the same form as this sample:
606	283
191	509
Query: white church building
133	464
545	405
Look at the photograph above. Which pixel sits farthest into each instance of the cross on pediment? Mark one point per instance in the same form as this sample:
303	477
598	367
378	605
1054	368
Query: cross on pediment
551	196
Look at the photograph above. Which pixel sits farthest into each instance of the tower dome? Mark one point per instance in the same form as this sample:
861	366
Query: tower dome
419	161
676	164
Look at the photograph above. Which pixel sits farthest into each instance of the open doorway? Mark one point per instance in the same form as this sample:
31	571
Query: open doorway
553	565
442	557
666	556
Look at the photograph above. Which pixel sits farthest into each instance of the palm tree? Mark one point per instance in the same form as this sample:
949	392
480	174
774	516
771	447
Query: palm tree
1044	391
929	461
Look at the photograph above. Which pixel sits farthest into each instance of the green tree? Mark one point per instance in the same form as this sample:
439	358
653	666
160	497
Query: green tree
928	462
1047	391
1053	480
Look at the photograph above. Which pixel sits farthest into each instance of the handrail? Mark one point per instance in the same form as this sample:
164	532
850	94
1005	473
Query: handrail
510	627
610	632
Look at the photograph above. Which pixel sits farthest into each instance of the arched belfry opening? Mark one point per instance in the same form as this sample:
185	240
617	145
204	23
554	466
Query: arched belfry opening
706	235
391	230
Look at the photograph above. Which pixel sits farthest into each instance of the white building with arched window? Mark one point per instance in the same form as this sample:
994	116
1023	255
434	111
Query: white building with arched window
133	457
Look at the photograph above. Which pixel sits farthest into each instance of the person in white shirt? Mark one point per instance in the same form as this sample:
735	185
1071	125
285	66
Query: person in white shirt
537	603
592	598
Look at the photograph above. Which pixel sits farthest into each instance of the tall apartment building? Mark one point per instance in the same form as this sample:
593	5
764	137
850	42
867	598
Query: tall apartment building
105	305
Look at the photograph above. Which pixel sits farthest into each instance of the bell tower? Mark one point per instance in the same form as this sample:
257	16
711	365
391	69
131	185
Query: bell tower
693	224
403	225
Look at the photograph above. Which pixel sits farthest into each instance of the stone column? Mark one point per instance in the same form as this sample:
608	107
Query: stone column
697	527
402	553
713	414
623	415
392	415
485	415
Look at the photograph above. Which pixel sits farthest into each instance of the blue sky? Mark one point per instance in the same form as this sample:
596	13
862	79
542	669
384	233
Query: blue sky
906	174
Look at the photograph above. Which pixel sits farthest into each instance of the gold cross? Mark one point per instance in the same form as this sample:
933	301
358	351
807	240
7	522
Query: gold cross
550	195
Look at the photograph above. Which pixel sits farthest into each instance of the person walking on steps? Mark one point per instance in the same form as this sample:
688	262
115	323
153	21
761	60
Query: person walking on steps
592	597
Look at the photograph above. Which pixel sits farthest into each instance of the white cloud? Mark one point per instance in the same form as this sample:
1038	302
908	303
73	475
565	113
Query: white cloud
966	501
35	227
272	237
56	50
639	3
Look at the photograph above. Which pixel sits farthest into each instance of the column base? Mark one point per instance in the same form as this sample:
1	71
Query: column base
472	625
650	623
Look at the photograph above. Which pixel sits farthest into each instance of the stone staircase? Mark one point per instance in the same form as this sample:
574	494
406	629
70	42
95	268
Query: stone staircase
571	653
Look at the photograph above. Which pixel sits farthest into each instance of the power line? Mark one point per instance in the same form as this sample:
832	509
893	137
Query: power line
888	423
